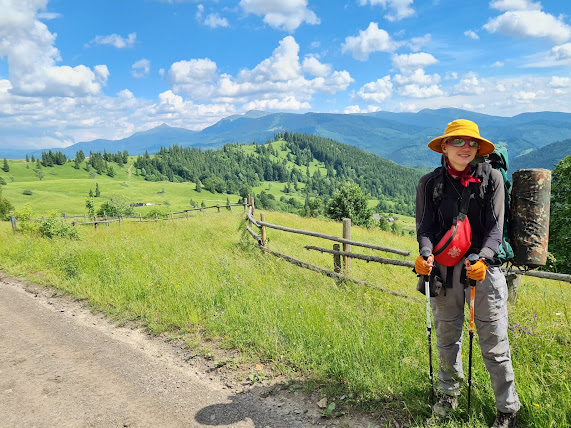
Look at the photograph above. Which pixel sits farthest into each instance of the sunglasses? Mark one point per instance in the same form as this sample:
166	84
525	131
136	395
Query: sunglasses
461	142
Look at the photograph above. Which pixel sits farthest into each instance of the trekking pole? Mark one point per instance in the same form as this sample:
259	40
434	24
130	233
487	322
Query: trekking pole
429	331
472	258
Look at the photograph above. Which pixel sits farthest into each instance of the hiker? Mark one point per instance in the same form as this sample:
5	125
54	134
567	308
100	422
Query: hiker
438	206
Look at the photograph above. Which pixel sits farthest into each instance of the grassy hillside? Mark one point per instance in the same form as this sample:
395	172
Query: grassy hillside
546	157
66	189
202	277
307	167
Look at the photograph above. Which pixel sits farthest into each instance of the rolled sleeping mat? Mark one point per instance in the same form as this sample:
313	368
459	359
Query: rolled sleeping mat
530	199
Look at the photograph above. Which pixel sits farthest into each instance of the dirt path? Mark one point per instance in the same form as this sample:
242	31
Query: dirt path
62	366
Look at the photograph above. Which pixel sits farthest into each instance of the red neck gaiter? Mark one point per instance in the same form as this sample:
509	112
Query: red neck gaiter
464	176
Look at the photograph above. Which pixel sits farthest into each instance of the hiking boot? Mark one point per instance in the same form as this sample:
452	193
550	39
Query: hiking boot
445	404
504	420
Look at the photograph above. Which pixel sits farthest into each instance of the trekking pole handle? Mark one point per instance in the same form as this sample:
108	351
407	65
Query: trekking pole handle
472	258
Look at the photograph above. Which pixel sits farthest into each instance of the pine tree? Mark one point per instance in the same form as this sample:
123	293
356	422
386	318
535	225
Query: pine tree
97	192
6	167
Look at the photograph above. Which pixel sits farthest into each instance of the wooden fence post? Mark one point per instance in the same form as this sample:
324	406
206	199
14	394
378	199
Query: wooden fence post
218	206
513	280
156	217
347	247
336	259
140	217
264	235
245	204
95	222
13	221
253	205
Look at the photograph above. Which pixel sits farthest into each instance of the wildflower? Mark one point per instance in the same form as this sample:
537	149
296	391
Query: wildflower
536	405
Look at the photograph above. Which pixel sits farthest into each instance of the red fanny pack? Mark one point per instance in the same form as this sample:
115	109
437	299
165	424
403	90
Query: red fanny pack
454	244
457	241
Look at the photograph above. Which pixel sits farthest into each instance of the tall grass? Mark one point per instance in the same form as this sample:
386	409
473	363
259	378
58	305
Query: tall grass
203	276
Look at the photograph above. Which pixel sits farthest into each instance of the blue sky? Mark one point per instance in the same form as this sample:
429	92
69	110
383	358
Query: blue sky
74	71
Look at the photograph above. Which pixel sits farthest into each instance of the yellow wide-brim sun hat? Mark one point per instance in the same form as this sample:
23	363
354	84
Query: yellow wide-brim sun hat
463	128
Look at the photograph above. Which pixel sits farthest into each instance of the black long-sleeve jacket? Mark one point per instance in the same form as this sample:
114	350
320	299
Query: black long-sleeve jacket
486	215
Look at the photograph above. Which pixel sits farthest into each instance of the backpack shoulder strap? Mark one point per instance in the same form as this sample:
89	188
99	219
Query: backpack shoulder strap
438	186
482	171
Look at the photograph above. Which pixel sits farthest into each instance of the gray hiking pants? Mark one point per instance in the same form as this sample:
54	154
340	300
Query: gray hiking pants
491	321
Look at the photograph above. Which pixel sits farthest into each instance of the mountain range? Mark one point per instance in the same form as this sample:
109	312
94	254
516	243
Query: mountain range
400	137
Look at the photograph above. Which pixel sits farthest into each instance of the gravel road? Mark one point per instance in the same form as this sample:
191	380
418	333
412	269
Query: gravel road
62	366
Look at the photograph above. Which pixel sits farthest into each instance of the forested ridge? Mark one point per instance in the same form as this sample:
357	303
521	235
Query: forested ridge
234	169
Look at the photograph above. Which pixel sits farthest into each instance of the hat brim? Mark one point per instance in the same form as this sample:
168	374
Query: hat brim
486	147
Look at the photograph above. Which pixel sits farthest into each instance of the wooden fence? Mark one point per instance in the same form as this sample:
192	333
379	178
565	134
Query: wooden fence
342	270
107	220
341	256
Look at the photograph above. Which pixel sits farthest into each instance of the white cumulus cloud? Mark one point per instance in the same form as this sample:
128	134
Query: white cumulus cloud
413	61
399	9
377	91
417	76
282	14
417	91
141	68
560	82
313	66
530	23
373	39
562	52
469	84
505	5
32	56
279	80
116	40
471	34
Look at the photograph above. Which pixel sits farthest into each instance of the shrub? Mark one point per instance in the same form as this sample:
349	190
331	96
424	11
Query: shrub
55	227
24	216
350	202
115	207
27	192
154	213
5	208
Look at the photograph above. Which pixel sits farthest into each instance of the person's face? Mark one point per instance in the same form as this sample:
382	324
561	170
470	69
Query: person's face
460	156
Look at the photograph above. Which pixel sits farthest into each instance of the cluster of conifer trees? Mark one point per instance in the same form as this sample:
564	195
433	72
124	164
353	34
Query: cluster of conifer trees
232	170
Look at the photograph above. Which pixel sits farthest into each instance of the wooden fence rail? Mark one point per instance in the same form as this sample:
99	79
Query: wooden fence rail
140	219
333	238
513	274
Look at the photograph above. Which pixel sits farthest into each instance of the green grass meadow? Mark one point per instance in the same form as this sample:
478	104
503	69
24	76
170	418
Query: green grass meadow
203	277
66	189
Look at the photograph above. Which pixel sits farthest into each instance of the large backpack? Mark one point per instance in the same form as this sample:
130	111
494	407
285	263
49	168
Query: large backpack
498	159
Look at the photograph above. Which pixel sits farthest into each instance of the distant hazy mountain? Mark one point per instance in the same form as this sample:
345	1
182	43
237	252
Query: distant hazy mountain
401	137
546	157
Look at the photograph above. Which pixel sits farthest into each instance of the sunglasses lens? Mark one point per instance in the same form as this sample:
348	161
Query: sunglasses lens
460	142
